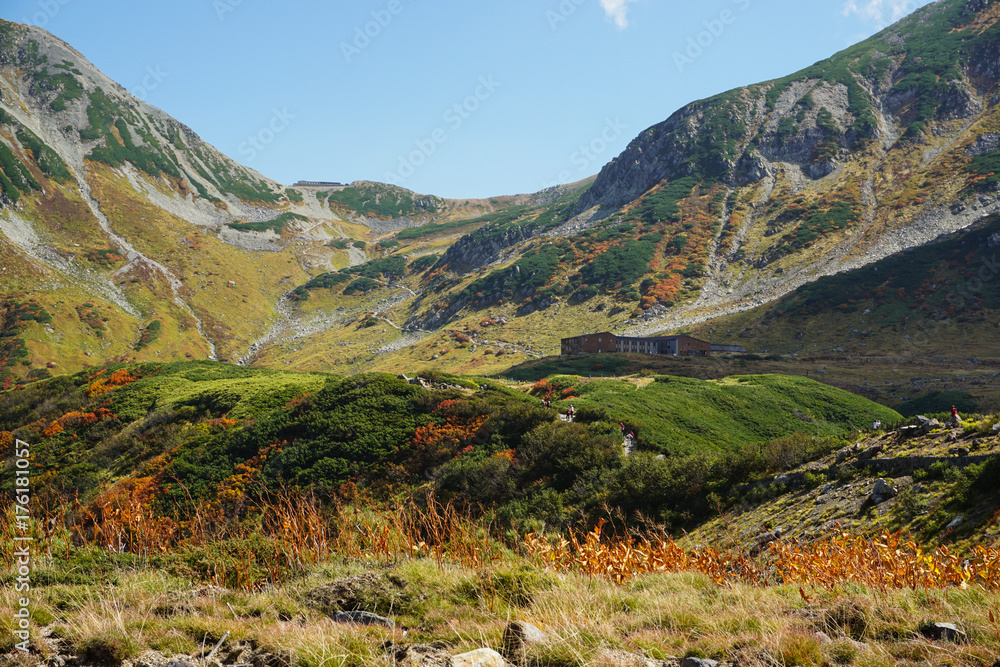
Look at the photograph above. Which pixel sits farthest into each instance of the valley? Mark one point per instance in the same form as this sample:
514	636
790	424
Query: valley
746	199
251	424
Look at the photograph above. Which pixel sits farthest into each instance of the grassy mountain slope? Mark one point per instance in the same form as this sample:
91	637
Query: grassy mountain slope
938	300
187	470
107	201
202	431
731	203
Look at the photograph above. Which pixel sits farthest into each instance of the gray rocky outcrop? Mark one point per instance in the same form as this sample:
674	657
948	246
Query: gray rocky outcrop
519	637
926	425
699	662
483	247
985	143
421	655
363	598
362	618
883	491
944	632
483	657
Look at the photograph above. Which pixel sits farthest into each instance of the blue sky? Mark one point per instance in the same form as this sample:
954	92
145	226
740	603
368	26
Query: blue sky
458	98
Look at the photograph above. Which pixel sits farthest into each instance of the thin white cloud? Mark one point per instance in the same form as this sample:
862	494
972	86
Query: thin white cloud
617	11
880	13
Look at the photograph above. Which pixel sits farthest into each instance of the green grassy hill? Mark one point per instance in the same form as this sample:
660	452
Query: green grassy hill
189	433
686	415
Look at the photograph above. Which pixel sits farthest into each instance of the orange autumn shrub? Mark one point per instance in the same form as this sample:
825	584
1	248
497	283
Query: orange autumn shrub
887	562
435	443
77	420
102	386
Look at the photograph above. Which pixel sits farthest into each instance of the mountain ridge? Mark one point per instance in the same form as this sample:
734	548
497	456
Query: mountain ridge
731	203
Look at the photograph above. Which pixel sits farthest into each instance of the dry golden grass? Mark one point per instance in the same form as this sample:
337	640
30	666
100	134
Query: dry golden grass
888	562
599	599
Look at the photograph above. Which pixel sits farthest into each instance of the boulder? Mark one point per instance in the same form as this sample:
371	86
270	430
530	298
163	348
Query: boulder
374	592
908	431
870	452
996	428
699	662
362	618
421	655
883	491
518	637
484	657
944	632
927	425
955	523
959	451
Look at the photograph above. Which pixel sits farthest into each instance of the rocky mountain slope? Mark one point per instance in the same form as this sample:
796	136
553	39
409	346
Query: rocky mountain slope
734	202
126	236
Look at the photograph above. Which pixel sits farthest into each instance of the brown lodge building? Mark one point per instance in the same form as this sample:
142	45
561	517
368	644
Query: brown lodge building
674	346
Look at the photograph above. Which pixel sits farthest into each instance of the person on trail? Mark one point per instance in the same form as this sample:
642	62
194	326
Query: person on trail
631	435
621	425
954	412
876	425
571	411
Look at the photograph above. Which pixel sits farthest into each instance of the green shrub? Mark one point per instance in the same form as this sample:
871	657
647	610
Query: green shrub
277	225
620	265
495	221
362	286
389	268
987	166
47	159
423	263
383	200
322	281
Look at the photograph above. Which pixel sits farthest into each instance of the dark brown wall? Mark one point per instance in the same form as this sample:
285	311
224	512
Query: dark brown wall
589	344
